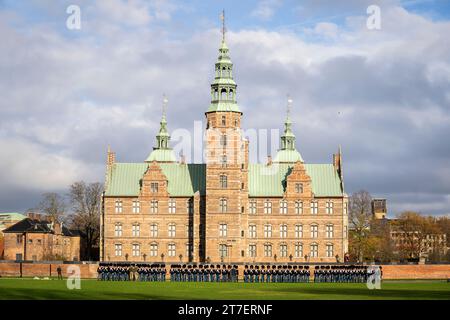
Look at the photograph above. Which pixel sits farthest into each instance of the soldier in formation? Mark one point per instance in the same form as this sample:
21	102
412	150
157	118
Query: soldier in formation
350	274
131	272
268	273
204	273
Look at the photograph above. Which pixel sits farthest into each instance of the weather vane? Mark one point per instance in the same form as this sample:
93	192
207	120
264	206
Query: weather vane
289	105
164	106
222	18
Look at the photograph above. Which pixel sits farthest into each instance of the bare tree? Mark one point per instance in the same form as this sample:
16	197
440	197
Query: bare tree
360	216
53	205
86	205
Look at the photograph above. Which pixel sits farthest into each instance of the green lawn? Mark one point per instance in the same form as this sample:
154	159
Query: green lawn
92	289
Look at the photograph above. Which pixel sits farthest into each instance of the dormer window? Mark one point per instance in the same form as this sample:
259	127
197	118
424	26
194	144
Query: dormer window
154	187
299	187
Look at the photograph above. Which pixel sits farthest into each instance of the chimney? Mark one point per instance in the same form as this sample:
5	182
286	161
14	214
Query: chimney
269	160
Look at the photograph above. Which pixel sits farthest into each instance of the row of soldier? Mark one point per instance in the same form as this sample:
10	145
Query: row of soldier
353	274
262	273
204	273
228	273
131	272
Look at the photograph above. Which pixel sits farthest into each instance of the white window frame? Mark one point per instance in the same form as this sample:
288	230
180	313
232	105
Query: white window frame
283	207
153	249
252	207
136	250
136	230
329	250
136	207
252	250
252	231
118	249
223	230
154	206
172	206
268	250
298	207
329	207
283	250
314	228
267	207
223	205
283	230
171	249
118	206
314	250
172	230
298	250
314	207
329	231
299	231
154	230
118	230
267	231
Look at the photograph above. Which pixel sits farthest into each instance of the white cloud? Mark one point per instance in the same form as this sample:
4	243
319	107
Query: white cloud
266	9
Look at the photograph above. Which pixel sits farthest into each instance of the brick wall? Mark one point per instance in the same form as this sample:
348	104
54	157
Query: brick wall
438	271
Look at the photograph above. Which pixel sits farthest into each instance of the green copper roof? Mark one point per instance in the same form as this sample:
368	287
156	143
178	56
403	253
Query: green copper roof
226	81
162	155
223	106
288	156
183	179
268	181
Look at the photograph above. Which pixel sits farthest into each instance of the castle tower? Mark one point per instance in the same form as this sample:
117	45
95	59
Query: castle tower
288	152
162	152
226	167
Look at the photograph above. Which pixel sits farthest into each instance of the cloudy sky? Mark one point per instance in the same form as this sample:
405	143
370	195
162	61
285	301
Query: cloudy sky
383	95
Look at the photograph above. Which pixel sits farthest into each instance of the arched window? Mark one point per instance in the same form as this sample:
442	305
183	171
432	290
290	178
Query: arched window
216	94
230	95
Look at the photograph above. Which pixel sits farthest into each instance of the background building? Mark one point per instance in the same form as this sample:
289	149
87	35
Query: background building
227	209
6	220
36	239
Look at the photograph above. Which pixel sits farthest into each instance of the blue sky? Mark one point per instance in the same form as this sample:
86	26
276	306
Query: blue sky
382	95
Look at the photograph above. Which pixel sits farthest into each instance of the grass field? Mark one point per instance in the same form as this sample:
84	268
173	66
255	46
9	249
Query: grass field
96	290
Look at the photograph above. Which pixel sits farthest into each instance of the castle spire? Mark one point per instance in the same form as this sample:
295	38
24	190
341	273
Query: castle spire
223	88
288	152
162	152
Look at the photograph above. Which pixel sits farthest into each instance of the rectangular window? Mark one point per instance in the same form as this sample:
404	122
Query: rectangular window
154	187
329	207
153	250
267	231
299	231
298	207
329	250
283	207
171	249
119	207
252	250
314	207
118	250
223	205
136	250
283	231
154	230
267	250
252	231
222	230
136	230
172	230
267	207
252	207
329	231
154	206
223	250
298	250
314	231
19	238
190	206
172	206
118	230
283	250
299	187
223	140
223	181
314	251
136	206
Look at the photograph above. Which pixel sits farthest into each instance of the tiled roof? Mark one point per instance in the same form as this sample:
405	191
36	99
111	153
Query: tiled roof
185	179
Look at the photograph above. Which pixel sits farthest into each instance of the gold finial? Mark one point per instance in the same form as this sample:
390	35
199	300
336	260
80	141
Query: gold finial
222	18
164	106
289	105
